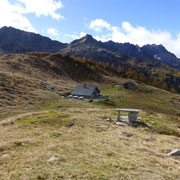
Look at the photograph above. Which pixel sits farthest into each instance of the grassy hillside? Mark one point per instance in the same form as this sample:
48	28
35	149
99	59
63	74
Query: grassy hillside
82	150
37	125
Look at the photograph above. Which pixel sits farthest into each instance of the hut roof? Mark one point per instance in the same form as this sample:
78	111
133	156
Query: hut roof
84	90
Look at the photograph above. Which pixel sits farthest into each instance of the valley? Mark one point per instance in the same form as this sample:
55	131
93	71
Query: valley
46	136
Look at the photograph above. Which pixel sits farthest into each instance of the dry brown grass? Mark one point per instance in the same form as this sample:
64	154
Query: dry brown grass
69	130
83	150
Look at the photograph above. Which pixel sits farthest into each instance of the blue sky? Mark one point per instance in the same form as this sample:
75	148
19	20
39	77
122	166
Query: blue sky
135	21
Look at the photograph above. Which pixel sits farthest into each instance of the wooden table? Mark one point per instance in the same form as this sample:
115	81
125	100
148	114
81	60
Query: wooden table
132	114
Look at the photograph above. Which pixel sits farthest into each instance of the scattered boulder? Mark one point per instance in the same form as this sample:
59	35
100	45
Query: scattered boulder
102	127
52	158
130	85
121	123
119	132
46	86
70	125
5	155
119	87
175	152
19	143
147	124
107	119
126	123
128	134
7	123
149	139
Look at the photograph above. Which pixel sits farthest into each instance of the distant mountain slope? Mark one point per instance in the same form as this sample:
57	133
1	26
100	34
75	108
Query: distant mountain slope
90	48
114	52
159	53
53	67
16	41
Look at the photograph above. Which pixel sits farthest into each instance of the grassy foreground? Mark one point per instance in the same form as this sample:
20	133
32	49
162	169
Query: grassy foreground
70	132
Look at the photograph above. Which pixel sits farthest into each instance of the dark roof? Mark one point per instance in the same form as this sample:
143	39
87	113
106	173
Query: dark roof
130	85
84	90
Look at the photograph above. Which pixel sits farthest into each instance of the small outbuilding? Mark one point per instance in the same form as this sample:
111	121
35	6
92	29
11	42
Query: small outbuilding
130	85
86	91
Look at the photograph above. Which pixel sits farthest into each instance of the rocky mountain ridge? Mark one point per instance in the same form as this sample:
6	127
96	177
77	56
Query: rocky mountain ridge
17	41
91	48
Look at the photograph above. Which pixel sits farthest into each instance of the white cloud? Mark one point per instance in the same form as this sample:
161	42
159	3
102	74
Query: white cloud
99	24
74	36
14	14
42	7
9	16
82	34
53	32
136	35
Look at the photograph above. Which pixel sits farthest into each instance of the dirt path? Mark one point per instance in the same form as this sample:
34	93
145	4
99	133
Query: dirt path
14	118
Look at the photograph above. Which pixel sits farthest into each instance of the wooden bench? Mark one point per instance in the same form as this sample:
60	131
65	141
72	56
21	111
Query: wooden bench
132	114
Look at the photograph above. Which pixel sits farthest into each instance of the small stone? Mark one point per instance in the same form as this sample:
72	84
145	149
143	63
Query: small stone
120	132
149	139
121	123
148	125
103	127
128	134
52	158
5	155
107	119
175	152
126	123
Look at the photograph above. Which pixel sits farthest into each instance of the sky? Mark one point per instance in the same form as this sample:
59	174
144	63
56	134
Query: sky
135	21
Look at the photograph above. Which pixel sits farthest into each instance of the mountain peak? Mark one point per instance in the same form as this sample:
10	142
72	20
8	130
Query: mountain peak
87	40
5	28
88	36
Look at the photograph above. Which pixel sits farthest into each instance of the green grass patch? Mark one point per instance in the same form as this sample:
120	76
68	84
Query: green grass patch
55	102
52	118
146	98
107	102
167	131
6	115
161	125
